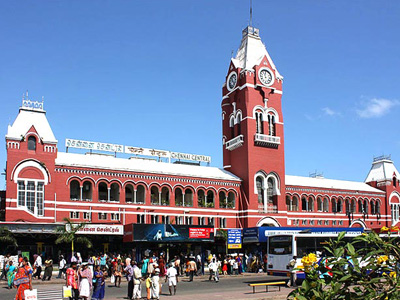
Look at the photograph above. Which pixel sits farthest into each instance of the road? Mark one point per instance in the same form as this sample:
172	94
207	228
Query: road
230	287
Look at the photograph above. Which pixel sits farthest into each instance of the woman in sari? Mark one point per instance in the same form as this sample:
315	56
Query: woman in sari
23	279
118	273
99	286
10	269
85	281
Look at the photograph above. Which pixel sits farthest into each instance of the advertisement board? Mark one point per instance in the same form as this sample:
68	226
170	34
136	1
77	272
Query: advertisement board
170	233
234	238
101	229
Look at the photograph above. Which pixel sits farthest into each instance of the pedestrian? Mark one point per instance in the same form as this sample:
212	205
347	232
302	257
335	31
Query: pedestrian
10	269
148	286
79	258
177	264
235	267
145	266
137	276
172	277
48	270
72	281
99	284
62	266
38	266
118	273
198	265
155	283
192	269
23	279
213	267
85	281
129	271
290	266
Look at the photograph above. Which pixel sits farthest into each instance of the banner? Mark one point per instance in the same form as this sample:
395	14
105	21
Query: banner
234	238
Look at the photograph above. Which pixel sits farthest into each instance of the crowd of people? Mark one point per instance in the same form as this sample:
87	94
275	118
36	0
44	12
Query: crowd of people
85	278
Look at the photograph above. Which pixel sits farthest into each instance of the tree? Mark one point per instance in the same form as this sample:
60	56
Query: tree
68	234
366	268
7	237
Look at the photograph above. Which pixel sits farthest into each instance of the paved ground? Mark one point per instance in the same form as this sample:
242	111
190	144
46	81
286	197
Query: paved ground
230	287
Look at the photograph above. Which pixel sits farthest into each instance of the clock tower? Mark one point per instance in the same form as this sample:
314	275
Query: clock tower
253	140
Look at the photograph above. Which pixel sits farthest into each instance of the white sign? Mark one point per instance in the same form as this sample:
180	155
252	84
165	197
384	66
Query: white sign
147	152
102	229
94	145
32	104
186	156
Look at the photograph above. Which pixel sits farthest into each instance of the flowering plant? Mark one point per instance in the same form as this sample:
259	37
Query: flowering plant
365	267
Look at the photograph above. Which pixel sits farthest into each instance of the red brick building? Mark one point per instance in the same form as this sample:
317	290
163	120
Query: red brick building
45	185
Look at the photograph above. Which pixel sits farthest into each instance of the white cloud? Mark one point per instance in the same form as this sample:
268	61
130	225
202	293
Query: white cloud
330	112
376	107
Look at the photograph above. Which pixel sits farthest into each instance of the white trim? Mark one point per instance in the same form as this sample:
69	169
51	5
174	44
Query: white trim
227	166
394	193
271	221
29	163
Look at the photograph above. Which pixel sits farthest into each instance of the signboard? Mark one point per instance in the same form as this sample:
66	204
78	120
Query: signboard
35	105
81	144
101	229
94	145
171	233
234	238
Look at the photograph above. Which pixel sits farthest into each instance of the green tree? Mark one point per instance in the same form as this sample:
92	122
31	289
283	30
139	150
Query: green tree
7	237
367	268
68	234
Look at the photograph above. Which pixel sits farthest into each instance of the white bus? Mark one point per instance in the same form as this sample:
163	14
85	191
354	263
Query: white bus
282	247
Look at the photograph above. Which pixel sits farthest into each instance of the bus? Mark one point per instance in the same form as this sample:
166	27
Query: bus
282	247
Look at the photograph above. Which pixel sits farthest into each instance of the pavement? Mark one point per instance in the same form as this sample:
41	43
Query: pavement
229	287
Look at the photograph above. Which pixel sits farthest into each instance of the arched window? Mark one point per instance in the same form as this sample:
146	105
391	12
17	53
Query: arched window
178	197
87	191
394	181
295	203
222	199
164	196
32	143
210	199
347	204
201	199
326	205
154	196
304	204
231	200
339	205
103	191
365	206
310	204
260	189
378	207
360	207
232	126
140	194
74	190
353	205
319	204
259	122
129	193
288	203
114	192
271	125
188	197
334	208
373	207
239	121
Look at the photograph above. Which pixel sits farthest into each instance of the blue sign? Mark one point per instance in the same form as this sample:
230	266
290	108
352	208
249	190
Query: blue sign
234	238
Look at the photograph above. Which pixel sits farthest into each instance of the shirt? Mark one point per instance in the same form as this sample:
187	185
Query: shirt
38	262
130	272
137	275
72	278
192	266
171	272
62	263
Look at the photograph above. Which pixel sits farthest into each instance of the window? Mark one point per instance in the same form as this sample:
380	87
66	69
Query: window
394	181
74	214
165	220
232	126
319	222
211	221
103	191
189	220
188	198
239	121
210	199
102	216
334	223
326	205
178	197
179	220
311	222
87	191
114	192
87	215
310	204
201	199
326	222
259	122
304	204
222	223
32	143
129	193
340	222
304	222
140	219
260	189
115	216
201	221
222	199
153	219
30	195
319	204
74	190
140	194
164	196
154	196
271	125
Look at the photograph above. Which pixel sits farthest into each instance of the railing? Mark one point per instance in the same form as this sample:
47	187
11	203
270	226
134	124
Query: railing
234	143
267	140
269	209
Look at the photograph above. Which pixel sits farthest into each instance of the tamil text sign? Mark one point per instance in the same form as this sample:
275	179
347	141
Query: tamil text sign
234	238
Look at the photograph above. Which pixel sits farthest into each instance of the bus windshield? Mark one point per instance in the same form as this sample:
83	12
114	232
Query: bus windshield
280	245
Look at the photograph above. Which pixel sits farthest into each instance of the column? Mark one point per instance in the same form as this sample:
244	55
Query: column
80	193
134	196
159	198
108	193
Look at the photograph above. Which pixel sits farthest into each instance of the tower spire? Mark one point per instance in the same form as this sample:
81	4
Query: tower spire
251	14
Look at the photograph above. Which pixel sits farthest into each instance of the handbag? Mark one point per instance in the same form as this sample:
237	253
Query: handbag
67	291
31	294
112	278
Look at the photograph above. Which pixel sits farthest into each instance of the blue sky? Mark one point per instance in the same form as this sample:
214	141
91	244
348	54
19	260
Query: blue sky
149	73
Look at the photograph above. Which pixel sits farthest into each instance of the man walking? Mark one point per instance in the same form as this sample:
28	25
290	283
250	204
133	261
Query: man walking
38	265
290	266
130	275
137	276
172	277
192	269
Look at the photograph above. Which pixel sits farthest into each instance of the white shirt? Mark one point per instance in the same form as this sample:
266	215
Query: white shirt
38	262
62	263
171	272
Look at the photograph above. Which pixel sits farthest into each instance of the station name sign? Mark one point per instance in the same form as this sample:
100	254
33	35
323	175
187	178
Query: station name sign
80	144
35	105
100	229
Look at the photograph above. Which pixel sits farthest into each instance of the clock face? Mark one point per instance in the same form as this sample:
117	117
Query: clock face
266	76
232	80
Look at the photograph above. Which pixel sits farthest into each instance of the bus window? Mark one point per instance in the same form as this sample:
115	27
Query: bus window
305	245
280	245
